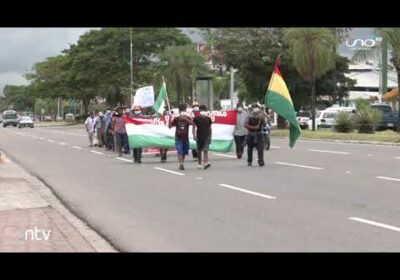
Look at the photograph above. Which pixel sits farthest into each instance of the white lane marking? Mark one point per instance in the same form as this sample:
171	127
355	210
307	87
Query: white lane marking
374	223
169	171
76	147
51	141
298	165
397	157
246	191
330	152
388	178
275	147
348	172
222	155
62	143
95	152
369	155
41	138
124	159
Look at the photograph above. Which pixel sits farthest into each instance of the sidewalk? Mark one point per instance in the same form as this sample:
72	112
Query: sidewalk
32	219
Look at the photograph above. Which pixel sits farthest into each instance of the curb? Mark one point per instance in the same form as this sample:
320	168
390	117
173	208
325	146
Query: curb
94	239
347	141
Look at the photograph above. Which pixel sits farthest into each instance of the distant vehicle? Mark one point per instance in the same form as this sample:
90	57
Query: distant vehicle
10	117
48	119
69	117
302	118
324	119
25	121
390	118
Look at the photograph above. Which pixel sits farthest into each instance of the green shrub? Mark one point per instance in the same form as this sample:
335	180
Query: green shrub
367	119
361	104
344	122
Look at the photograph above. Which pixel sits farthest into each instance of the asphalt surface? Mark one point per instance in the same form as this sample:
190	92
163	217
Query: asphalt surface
318	197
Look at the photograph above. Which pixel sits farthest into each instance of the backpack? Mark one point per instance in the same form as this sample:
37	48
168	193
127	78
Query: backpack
255	121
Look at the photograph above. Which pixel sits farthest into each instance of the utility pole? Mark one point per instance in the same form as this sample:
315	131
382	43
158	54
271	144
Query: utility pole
384	67
131	64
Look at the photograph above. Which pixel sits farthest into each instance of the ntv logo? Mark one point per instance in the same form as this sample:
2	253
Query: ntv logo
360	44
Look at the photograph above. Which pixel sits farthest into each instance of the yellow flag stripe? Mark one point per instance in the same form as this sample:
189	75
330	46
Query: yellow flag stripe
278	85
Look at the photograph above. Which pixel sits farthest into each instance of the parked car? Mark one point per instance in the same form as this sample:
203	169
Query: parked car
302	118
25	121
324	119
390	118
48	119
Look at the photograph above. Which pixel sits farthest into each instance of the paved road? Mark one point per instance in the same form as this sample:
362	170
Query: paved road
320	196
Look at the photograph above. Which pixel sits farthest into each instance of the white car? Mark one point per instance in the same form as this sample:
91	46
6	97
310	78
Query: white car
303	118
324	119
25	121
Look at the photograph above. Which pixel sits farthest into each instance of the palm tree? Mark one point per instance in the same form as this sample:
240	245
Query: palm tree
392	36
313	55
182	64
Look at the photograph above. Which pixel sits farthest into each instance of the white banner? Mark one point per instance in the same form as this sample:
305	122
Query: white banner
144	97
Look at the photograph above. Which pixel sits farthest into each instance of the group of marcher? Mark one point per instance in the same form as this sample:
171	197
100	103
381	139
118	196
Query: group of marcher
108	130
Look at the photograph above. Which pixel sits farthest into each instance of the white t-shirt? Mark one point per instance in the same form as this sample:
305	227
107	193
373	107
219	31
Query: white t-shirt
90	123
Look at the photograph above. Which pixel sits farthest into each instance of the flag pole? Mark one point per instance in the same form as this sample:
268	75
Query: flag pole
166	94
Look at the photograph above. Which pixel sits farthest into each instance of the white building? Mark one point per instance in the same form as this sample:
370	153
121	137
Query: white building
368	81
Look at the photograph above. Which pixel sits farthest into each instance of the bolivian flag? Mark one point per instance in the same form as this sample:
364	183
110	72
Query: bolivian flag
278	99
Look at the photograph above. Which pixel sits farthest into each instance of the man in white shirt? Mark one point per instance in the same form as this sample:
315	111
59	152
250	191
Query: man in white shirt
90	125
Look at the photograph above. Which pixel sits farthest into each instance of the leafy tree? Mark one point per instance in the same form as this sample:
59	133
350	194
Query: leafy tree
99	64
20	98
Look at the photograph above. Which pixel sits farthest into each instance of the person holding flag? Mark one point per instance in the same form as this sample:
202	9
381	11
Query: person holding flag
278	99
254	124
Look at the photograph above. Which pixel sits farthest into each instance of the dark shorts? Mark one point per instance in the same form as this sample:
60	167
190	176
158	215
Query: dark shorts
182	147
203	144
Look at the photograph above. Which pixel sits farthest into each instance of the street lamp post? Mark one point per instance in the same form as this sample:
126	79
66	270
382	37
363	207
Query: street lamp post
232	85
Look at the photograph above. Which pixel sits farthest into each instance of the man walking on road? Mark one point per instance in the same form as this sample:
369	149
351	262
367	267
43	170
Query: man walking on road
119	131
182	124
255	139
137	152
202	136
90	126
194	113
100	129
240	132
108	133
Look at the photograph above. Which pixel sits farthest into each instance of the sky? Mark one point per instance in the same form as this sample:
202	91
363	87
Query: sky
22	47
